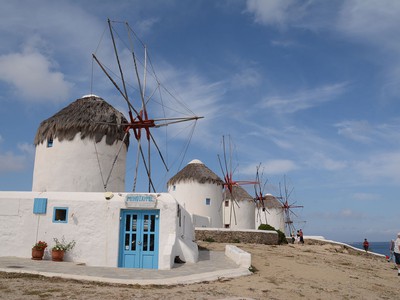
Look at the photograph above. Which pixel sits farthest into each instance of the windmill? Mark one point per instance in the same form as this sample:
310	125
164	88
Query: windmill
288	207
260	198
230	185
146	91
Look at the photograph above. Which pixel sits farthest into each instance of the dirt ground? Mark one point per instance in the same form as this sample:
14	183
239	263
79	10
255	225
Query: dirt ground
280	272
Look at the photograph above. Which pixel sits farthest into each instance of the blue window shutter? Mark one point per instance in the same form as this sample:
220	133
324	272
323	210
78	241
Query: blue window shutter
39	205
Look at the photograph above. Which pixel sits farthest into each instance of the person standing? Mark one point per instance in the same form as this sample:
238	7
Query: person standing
391	248
397	253
366	245
301	236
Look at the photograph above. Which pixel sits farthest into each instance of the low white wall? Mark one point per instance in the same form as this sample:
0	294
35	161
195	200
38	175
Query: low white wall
93	222
241	257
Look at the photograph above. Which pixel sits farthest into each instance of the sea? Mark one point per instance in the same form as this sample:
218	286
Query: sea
377	247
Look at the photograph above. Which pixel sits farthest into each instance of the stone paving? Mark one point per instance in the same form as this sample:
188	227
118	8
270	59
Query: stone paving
212	265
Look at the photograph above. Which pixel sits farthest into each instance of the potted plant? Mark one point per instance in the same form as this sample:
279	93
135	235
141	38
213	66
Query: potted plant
59	249
38	250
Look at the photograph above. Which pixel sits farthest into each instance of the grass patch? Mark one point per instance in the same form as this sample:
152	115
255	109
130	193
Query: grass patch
253	269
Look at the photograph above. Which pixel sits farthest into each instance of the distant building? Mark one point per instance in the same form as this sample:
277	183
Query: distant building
199	191
239	210
270	213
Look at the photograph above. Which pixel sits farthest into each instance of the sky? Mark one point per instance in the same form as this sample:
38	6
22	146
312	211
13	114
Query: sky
308	89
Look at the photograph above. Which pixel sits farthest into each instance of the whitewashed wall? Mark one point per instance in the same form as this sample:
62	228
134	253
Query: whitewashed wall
240	215
192	196
93	222
272	216
78	166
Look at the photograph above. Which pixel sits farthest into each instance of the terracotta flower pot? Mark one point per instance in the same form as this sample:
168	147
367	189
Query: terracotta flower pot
57	255
37	254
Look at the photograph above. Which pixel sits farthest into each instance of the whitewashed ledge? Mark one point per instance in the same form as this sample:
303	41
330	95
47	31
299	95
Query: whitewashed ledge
241	257
323	240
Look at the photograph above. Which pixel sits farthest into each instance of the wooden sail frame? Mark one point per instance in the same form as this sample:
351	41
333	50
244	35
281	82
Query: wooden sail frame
140	119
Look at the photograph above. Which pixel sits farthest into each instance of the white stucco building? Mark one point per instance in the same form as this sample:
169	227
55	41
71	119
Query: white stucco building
82	148
239	210
199	191
270	213
126	230
77	193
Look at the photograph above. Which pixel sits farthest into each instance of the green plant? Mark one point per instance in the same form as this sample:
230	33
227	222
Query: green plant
209	239
266	227
281	236
41	245
63	245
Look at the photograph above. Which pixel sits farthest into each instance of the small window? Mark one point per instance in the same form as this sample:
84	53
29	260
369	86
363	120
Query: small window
174	187
227	226
226	203
208	201
60	215
50	143
39	205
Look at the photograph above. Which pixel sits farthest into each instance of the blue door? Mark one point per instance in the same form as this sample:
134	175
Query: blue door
139	239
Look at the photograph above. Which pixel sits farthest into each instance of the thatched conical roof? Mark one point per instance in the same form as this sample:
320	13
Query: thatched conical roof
90	115
271	202
238	193
195	171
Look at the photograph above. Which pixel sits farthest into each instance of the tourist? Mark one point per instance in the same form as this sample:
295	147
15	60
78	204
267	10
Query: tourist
366	245
391	249
293	238
397	253
301	236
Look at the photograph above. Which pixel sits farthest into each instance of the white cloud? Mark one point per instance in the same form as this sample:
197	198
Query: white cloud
382	166
321	161
355	130
275	12
145	26
304	99
365	132
248	77
369	20
10	162
377	25
32	76
279	166
366	196
26	148
13	162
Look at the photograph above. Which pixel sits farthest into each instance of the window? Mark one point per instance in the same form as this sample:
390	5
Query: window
227	226
50	143
226	203
60	215
208	201
174	187
39	205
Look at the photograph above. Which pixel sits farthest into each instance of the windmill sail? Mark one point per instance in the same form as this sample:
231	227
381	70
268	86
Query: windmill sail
149	103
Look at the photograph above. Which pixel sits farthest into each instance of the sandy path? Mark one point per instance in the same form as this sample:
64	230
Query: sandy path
281	272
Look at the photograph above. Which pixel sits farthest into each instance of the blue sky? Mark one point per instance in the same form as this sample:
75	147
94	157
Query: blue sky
309	89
